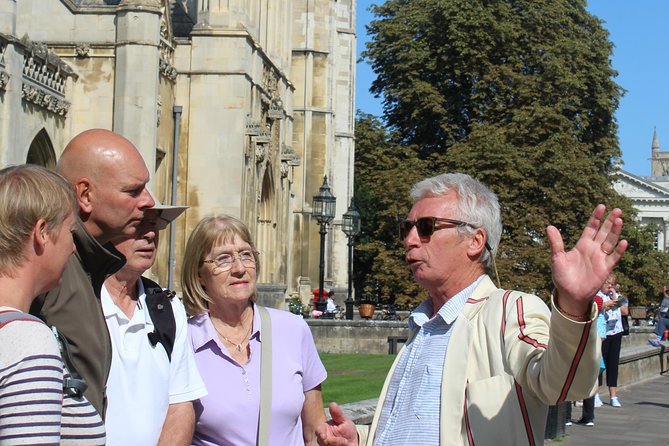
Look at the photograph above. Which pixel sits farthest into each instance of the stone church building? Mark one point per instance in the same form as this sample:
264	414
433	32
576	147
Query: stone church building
237	106
650	194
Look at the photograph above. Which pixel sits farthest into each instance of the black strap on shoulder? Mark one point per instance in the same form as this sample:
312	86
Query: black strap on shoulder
74	384
159	303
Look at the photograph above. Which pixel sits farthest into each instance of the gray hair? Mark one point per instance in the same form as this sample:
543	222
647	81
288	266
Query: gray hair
477	205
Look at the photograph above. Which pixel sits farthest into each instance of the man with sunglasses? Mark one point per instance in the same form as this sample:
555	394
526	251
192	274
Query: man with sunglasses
483	364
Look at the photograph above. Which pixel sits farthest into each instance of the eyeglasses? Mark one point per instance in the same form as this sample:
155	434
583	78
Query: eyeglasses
427	225
225	261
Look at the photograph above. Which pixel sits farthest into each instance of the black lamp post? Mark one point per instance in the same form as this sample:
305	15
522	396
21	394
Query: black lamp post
323	209
351	227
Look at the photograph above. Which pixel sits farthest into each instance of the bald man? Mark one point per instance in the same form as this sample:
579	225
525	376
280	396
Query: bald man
109	177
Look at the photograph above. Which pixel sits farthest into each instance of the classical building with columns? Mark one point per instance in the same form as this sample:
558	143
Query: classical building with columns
238	107
650	194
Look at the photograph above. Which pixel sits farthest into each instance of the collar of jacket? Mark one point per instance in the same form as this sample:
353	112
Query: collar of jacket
97	260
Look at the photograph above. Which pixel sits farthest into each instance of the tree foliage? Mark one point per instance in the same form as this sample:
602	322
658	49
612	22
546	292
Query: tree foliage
519	94
384	173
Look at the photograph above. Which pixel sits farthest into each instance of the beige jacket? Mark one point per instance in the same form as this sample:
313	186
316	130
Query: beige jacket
501	373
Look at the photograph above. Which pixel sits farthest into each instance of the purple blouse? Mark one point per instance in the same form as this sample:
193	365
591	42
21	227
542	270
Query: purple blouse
228	415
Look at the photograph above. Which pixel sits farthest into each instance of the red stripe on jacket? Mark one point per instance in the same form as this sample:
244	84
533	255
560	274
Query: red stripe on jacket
575	362
470	437
505	298
521	325
523	411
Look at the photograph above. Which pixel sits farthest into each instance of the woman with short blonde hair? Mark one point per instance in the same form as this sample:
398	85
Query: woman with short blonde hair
37	217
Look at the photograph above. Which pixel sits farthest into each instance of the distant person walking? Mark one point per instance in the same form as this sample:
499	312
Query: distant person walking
615	308
663	319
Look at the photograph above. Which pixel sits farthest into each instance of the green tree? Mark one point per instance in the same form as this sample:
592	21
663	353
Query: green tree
518	93
384	172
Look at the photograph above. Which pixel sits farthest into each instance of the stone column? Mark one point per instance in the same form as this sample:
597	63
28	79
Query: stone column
7	17
11	71
136	76
218	14
663	237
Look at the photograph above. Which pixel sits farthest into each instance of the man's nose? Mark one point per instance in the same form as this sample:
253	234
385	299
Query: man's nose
150	233
146	200
412	239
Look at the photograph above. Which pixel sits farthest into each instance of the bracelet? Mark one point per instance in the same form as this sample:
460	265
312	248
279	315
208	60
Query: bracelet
581	318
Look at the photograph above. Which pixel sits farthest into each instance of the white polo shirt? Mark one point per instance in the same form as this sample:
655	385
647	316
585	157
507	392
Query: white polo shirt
143	382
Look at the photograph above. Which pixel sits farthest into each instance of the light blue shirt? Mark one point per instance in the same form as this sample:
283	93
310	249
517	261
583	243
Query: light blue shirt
410	413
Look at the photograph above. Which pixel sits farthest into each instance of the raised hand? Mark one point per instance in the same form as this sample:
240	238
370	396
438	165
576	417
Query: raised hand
339	431
579	273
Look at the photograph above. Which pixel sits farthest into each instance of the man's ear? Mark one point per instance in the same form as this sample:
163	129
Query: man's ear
83	190
477	242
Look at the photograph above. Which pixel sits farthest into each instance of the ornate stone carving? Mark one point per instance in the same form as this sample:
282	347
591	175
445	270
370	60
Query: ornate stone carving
288	159
289	156
164	32
83	50
43	98
284	169
261	151
253	127
275	109
264	137
165	66
44	77
159	109
4	80
167	70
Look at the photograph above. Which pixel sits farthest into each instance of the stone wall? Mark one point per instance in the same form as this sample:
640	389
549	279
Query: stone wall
639	360
356	337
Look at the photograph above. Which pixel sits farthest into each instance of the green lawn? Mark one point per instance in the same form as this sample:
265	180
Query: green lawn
354	377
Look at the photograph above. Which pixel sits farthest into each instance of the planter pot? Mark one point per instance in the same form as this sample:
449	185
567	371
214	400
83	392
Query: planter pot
366	310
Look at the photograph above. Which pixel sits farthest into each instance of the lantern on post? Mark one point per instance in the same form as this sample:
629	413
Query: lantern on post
323	210
351	227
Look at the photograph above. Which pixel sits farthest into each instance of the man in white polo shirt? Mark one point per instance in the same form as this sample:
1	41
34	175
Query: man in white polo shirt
153	379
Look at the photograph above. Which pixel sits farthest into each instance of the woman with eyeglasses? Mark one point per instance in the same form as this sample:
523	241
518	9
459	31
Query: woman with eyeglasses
260	365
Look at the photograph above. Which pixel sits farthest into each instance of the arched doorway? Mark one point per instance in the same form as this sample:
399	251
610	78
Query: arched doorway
41	151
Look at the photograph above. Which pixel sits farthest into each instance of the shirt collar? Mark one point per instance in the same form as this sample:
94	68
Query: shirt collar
207	333
448	312
109	308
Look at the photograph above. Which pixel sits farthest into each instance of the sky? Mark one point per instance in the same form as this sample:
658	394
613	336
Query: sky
640	35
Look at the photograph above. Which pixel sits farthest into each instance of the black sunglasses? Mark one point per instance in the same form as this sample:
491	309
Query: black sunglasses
427	225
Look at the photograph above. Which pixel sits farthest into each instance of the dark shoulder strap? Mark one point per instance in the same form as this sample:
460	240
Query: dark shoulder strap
159	303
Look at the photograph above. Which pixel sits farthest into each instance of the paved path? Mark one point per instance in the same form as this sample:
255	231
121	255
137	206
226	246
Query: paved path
643	419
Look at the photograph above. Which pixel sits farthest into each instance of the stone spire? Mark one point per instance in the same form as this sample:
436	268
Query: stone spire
655	146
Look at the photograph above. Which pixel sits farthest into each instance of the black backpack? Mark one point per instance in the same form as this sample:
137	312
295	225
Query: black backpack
159	302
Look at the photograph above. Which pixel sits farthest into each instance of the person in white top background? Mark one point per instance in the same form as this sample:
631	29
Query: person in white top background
152	383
